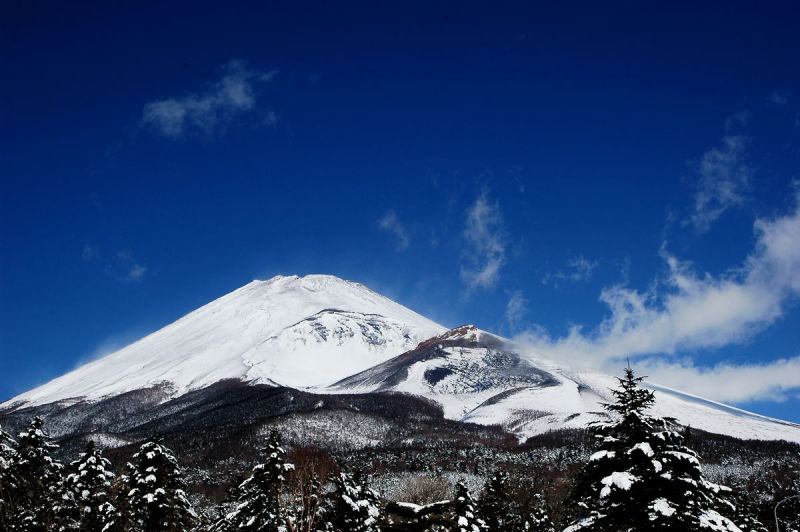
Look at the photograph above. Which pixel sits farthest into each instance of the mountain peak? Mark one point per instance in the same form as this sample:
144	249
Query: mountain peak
288	330
338	336
312	279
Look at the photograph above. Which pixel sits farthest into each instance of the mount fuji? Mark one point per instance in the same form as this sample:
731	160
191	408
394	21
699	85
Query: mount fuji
329	337
291	331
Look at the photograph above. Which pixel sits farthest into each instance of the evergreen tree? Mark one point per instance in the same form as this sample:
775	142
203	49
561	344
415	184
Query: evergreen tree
539	519
8	481
745	514
500	513
7	454
493	504
465	516
353	507
40	500
90	481
154	492
259	506
643	477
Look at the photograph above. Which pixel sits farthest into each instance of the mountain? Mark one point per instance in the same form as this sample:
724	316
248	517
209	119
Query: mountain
333	338
290	331
481	378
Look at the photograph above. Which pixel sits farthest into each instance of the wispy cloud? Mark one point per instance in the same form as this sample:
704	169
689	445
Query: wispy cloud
209	111
722	179
779	97
136	272
485	254
516	308
121	265
390	223
90	253
579	269
729	383
686	311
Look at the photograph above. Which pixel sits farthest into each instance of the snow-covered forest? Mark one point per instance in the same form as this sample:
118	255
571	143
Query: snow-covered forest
631	472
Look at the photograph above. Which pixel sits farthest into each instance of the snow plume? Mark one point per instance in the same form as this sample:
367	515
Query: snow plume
515	310
486	247
391	224
687	311
210	110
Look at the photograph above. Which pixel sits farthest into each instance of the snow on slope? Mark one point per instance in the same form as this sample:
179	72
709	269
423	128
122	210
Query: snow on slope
481	378
310	332
459	369
573	403
293	331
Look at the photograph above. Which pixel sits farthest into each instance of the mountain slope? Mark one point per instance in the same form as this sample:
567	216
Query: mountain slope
330	336
292	331
481	378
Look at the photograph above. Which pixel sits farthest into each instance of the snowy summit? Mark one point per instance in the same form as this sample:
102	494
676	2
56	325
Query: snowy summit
289	330
331	336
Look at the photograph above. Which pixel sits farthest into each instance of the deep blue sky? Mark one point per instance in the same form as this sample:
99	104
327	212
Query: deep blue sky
561	151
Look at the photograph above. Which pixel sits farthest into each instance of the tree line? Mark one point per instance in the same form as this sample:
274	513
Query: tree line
641	477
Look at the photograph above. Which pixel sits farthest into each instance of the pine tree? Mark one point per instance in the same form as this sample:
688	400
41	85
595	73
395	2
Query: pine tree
493	504
155	492
745	514
465	516
8	482
353	507
643	477
259	506
7	453
538	520
90	481
40	499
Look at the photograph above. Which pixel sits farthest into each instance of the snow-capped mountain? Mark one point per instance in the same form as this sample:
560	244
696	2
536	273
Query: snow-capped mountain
460	369
328	336
481	378
290	331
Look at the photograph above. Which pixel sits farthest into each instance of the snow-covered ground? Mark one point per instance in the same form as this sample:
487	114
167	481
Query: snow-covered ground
579	395
481	378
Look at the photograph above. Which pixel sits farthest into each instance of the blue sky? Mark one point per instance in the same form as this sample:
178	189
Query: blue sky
604	181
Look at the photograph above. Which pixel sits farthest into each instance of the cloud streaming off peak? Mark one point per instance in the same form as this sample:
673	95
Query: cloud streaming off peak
391	224
485	252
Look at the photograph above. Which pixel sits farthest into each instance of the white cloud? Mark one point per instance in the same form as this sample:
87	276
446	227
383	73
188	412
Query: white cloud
516	308
136	272
779	97
390	223
210	110
486	248
728	383
723	177
579	269
687	311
